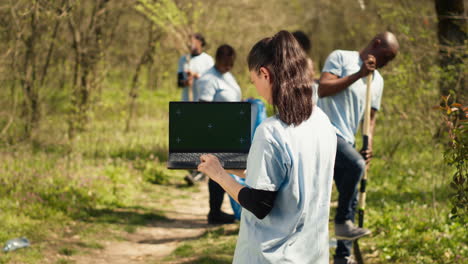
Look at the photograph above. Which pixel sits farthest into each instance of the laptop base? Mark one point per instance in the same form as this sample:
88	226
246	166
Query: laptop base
232	161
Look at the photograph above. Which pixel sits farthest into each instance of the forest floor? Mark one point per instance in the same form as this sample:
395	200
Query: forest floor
107	197
155	239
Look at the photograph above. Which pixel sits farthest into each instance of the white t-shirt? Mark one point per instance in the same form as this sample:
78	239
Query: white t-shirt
298	162
346	108
216	87
199	64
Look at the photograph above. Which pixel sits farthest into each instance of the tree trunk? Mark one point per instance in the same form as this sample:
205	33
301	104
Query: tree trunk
28	80
51	47
452	34
134	93
146	57
88	48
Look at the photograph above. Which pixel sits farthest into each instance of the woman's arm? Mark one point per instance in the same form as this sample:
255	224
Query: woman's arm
259	202
210	166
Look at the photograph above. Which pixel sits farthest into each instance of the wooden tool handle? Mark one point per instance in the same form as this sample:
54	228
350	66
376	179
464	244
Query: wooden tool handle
367	110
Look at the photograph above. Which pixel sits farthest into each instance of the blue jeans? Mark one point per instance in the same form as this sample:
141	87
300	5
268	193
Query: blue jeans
349	168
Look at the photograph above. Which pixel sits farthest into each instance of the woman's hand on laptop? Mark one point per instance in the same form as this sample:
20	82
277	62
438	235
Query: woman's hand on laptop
211	166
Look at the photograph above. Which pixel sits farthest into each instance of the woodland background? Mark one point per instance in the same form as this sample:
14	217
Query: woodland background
84	92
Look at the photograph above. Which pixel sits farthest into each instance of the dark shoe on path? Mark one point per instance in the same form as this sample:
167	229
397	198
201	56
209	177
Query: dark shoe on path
220	218
189	179
193	177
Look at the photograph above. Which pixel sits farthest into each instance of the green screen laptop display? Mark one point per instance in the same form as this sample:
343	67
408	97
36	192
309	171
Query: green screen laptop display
209	127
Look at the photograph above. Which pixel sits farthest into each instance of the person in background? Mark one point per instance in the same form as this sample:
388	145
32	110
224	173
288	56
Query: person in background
289	167
306	45
342	92
191	67
219	85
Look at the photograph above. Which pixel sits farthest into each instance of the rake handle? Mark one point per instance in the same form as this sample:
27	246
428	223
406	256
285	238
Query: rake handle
362	189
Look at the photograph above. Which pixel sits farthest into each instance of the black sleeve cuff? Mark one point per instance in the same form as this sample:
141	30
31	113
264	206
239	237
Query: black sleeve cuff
259	202
180	79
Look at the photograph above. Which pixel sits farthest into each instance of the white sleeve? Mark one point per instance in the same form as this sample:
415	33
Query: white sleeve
333	64
266	165
206	89
377	93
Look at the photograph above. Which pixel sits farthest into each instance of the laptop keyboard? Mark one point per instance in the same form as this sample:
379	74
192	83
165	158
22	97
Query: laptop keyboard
196	156
193	159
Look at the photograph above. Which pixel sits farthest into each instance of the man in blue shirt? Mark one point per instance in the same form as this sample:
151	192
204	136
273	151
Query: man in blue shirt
219	85
342	93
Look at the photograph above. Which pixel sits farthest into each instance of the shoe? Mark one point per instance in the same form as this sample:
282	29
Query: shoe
345	260
220	218
348	231
193	177
198	176
189	179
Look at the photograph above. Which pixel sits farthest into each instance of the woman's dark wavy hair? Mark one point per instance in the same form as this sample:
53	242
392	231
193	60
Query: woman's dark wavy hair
291	82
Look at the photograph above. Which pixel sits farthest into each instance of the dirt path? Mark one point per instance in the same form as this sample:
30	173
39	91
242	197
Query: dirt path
187	220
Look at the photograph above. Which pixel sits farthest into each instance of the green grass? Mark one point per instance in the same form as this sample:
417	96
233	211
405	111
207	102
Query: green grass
95	182
64	261
67	251
107	182
215	246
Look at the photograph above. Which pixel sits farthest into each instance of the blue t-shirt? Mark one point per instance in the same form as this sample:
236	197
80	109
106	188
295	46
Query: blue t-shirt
296	161
199	64
216	87
346	108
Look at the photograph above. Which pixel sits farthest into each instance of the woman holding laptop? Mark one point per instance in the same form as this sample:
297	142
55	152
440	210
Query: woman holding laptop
290	164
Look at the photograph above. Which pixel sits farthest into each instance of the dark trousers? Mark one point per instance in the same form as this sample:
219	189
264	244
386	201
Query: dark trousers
216	197
349	168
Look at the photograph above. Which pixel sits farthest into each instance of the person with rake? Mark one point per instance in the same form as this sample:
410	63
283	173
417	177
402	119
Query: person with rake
342	96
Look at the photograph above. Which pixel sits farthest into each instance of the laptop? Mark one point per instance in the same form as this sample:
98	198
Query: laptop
219	128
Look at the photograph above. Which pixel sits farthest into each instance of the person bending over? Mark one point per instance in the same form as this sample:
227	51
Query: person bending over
342	92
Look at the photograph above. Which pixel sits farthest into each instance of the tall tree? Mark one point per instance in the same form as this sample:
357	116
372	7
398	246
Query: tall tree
87	23
28	71
145	58
452	34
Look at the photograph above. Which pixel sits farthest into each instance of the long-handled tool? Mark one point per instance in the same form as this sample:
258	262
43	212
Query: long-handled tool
365	146
187	70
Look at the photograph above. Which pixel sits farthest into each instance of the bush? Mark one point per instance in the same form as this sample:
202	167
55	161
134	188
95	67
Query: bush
456	155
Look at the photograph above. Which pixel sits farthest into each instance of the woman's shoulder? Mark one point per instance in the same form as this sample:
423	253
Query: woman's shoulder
271	128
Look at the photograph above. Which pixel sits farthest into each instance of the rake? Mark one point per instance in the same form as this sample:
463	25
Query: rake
362	189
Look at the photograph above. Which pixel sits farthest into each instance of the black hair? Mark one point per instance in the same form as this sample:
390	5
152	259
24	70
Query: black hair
303	40
225	51
290	79
200	37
